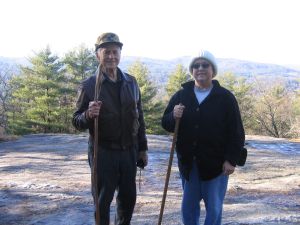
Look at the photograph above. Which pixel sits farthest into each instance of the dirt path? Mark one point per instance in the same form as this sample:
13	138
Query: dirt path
45	179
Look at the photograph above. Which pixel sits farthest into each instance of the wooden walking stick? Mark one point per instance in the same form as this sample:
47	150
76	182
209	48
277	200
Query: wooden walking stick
169	170
96	136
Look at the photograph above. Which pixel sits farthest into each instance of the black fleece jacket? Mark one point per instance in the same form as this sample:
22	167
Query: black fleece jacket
210	132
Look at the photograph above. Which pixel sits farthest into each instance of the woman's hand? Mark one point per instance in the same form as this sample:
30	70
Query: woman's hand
228	168
178	111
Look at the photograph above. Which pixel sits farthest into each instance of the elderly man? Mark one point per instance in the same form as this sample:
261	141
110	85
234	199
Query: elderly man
122	139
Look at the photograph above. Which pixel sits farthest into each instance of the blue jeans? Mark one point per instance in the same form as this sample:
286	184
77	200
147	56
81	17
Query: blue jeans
211	191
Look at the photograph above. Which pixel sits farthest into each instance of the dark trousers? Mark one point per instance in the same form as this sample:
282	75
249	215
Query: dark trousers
116	171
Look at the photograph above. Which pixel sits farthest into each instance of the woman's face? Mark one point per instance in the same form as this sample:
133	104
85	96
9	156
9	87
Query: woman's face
202	72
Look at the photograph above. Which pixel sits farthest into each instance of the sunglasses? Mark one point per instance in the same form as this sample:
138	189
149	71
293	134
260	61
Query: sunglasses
203	66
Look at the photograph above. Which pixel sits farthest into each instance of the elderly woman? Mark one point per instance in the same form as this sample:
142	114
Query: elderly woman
209	141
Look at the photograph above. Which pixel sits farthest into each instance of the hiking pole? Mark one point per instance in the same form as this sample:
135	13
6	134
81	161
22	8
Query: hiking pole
169	171
96	136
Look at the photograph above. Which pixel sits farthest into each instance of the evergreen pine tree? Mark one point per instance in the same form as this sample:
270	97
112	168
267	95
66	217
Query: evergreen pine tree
242	90
37	95
179	76
80	63
152	107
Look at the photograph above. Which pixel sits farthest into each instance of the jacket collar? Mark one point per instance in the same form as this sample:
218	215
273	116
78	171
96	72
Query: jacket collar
190	84
122	75
216	90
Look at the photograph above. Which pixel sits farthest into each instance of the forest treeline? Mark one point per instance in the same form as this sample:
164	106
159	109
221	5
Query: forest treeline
42	97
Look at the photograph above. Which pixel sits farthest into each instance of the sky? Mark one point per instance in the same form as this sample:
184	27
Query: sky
264	31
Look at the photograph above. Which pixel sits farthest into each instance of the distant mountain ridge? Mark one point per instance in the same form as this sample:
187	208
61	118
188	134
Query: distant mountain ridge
160	69
13	61
248	68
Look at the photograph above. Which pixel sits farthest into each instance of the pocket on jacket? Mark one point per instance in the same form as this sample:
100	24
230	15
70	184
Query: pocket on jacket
135	123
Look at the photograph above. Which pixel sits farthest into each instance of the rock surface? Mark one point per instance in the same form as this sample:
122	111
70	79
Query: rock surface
45	179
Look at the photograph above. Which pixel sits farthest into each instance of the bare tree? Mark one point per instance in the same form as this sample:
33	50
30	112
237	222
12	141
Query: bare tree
6	73
273	108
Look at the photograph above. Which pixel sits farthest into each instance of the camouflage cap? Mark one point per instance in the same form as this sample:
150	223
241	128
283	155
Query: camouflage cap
107	38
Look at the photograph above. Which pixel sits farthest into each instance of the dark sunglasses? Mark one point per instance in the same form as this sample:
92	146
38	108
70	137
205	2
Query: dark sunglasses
203	66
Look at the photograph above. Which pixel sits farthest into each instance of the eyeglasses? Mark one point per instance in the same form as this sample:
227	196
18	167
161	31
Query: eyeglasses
203	66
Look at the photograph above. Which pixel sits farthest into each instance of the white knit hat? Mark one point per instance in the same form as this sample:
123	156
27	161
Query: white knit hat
204	54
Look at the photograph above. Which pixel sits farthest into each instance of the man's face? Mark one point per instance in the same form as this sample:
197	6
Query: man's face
109	56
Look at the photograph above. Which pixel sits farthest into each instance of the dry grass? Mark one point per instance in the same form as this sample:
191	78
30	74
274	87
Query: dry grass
295	140
4	138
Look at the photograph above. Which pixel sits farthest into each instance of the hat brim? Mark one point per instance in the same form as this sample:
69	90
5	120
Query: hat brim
103	45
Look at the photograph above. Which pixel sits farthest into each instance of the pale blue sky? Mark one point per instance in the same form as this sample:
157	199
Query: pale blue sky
255	30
